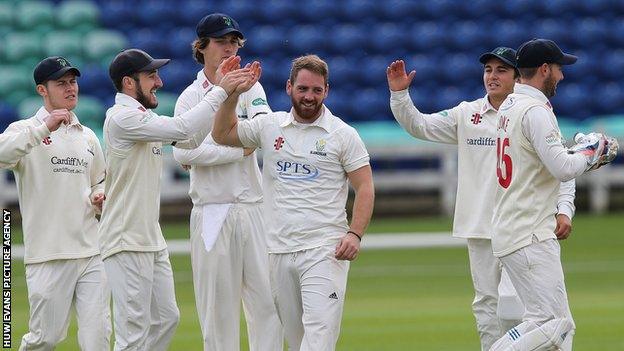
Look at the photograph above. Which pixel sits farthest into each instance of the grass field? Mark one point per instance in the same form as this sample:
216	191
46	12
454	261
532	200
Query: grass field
419	299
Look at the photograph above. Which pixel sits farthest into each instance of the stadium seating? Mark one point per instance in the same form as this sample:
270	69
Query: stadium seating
22	47
29	106
166	103
64	43
34	16
103	45
441	39
7	115
90	111
78	16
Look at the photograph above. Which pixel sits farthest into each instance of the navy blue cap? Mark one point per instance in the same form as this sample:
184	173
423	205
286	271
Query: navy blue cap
131	61
53	68
505	54
536	52
216	25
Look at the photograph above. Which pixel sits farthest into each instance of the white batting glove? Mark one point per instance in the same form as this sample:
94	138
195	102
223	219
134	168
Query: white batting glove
598	148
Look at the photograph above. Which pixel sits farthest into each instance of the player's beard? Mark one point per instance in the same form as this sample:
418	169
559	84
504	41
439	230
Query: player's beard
307	113
550	86
144	100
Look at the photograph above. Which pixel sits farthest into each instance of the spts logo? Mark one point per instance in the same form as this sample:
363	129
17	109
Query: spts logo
295	170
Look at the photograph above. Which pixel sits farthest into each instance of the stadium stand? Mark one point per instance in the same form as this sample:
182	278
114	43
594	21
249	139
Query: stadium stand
441	39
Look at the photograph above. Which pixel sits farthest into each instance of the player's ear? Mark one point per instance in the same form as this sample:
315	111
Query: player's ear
544	69
128	83
326	90
42	90
288	87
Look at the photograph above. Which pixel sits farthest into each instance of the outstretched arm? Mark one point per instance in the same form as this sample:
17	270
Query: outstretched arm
224	130
439	127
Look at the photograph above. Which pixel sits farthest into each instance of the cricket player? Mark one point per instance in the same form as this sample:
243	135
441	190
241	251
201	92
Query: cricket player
309	157
472	126
132	245
228	246
531	163
59	170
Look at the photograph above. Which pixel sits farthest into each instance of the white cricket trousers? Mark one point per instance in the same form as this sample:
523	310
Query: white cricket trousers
536	273
493	293
237	267
144	305
53	287
309	289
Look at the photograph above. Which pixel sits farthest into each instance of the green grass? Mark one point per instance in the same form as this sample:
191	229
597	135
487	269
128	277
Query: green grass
420	299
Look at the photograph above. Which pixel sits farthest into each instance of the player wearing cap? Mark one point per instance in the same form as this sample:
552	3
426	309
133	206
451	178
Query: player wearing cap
309	157
59	173
472	126
228	245
131	242
531	162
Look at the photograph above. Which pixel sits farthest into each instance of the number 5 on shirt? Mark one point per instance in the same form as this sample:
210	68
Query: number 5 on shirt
502	157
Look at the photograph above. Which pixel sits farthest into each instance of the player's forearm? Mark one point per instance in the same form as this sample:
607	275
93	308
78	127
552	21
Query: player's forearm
200	117
362	206
224	130
208	155
539	126
14	144
565	201
420	125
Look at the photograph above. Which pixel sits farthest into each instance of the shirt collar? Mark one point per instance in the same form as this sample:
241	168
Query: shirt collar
204	83
532	92
42	113
324	121
129	101
486	106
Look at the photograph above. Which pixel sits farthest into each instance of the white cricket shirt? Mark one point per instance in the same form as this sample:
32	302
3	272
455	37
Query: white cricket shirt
221	174
56	174
133	137
472	126
305	181
532	162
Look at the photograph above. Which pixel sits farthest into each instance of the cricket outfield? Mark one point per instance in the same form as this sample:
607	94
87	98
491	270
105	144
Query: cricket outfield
419	298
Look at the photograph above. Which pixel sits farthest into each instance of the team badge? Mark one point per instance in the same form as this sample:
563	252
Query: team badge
320	148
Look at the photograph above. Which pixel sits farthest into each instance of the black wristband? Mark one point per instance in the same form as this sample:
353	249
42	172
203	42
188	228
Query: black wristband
356	234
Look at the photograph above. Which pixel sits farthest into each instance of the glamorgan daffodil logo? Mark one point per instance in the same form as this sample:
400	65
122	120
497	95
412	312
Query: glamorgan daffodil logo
228	21
320	148
320	145
62	62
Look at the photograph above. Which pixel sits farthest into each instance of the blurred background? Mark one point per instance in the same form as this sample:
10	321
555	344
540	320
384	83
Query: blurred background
400	298
441	39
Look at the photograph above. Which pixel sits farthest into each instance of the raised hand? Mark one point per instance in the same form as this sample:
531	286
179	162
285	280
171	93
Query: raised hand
233	79
256	71
56	118
228	65
398	79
